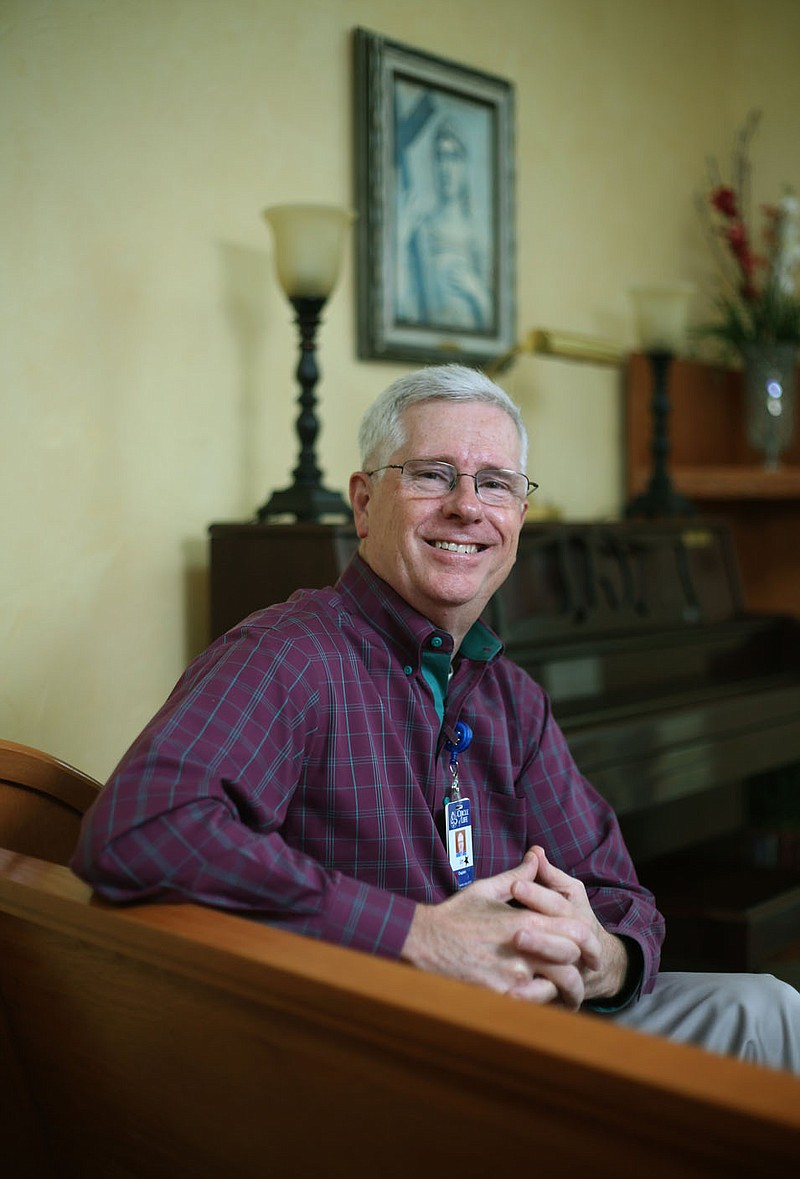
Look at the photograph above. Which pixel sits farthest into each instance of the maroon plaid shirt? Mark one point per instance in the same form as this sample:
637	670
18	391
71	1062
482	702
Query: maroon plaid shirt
297	774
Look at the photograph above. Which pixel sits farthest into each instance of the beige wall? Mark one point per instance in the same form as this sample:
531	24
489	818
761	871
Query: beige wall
147	354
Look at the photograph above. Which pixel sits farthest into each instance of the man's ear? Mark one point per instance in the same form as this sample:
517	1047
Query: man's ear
360	495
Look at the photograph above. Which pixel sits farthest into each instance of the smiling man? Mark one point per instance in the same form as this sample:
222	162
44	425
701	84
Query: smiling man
443	531
326	765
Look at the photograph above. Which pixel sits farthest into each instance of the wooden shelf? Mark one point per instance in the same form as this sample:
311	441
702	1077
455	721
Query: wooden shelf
732	482
711	463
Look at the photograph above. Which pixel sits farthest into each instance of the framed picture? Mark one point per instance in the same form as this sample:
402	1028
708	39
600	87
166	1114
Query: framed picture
435	197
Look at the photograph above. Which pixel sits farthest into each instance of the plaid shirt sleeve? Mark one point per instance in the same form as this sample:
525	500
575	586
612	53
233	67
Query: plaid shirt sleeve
196	807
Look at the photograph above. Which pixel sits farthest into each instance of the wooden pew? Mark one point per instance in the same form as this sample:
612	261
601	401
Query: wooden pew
171	1040
42	802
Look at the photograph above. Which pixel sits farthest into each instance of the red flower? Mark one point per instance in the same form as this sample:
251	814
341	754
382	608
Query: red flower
724	201
756	302
737	236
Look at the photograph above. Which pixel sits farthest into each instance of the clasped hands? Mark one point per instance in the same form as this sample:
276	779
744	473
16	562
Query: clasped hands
547	948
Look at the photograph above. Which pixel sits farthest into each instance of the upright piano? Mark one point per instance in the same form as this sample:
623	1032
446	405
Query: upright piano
680	706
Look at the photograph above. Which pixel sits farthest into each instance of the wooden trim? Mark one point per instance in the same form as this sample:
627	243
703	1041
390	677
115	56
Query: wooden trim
21	765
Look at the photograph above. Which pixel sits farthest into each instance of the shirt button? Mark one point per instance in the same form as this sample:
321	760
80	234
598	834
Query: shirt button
408	669
436	641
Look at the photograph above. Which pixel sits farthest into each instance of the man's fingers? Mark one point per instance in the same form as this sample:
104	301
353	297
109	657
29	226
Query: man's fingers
562	984
535	989
561	942
547	873
501	887
535	952
536	895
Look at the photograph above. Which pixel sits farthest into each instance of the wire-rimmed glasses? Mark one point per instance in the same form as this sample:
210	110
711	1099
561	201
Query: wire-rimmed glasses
431	478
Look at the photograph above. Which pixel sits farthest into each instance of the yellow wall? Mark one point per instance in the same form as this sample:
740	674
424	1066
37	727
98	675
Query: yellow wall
147	354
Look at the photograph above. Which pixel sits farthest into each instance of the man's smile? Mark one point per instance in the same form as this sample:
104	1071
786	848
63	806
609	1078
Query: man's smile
454	547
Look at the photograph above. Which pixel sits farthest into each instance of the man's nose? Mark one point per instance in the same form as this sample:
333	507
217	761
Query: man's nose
463	498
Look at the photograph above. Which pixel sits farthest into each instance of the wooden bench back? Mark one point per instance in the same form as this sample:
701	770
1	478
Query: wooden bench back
42	802
164	1040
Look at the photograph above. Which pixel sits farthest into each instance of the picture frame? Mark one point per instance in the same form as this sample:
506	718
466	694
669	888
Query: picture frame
434	179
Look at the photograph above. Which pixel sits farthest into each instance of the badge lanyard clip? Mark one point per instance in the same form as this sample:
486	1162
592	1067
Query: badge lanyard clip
457	813
463	741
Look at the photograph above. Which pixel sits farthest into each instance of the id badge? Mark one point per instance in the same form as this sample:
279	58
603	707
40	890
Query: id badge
459	841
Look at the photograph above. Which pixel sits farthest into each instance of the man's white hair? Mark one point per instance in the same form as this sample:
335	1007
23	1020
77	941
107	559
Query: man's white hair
382	432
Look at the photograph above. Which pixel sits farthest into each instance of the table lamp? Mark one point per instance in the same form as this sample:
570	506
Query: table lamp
309	241
661	317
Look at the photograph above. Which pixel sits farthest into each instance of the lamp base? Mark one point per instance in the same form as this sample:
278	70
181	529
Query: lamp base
307	500
308	504
660	498
657	502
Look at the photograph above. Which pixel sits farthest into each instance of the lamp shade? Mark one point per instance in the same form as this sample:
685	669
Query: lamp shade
308	247
662	314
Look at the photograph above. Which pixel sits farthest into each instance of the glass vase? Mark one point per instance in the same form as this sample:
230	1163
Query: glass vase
770	383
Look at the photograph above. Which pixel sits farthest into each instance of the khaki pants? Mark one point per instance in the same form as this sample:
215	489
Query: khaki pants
753	1017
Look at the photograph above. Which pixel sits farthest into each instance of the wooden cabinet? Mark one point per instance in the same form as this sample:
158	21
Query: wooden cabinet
712	464
254	565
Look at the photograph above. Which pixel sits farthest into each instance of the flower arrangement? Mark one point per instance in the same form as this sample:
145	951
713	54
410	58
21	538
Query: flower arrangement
757	303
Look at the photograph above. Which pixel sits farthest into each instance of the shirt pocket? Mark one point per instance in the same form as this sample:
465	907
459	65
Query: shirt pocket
500	832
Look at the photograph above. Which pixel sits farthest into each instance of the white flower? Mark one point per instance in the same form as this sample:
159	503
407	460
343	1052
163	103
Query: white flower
787	254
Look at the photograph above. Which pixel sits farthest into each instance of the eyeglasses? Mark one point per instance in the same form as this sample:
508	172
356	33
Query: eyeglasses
431	479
